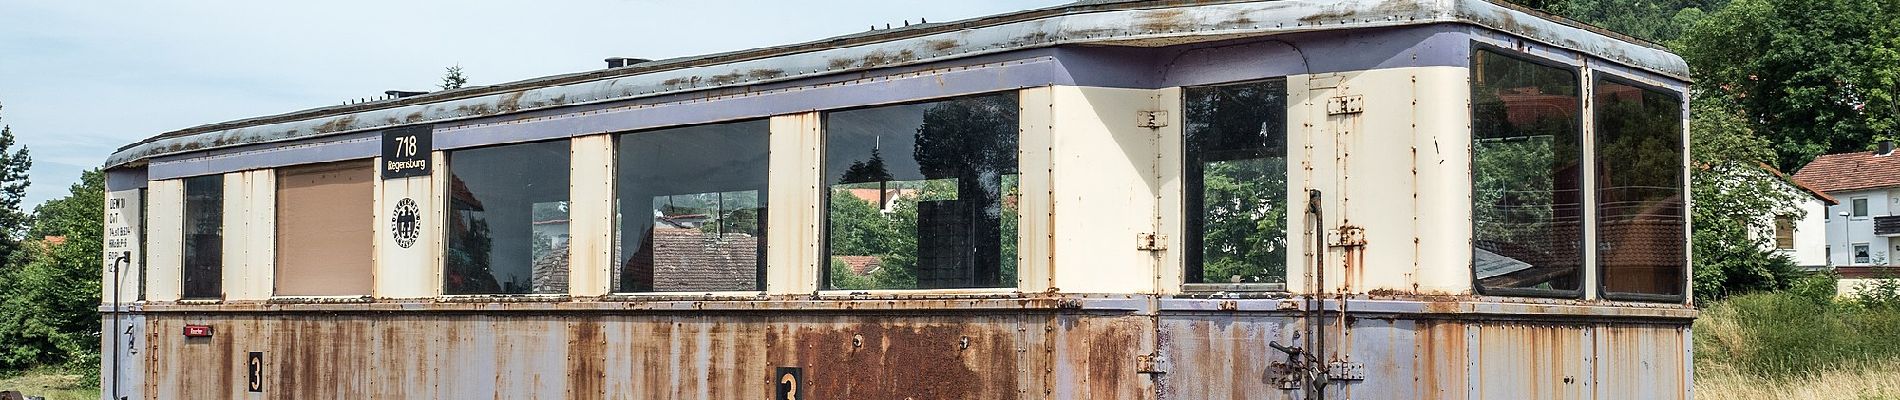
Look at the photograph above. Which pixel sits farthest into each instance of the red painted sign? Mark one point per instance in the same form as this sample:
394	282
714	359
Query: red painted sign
197	331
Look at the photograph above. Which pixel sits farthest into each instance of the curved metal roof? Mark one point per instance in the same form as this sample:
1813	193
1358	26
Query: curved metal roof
1085	22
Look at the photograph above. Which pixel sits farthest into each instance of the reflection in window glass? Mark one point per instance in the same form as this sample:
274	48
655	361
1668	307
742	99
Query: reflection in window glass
508	226
1642	231
1527	223
1236	183
923	196
691	207
204	237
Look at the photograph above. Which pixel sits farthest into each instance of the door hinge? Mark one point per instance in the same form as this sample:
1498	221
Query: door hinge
1151	242
1346	371
1151	118
1151	364
1347	236
1338	105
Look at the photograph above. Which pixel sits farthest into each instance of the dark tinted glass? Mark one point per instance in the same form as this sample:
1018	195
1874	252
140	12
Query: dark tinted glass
1641	229
204	237
508	226
1236	183
1527	216
922	196
691	207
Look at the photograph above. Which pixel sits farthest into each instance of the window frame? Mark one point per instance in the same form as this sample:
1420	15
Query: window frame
1787	221
1859	208
1195	228
1584	269
762	279
1682	148
185	242
823	262
447	214
1853	253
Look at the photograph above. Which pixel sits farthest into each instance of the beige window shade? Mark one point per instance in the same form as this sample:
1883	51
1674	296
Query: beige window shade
325	217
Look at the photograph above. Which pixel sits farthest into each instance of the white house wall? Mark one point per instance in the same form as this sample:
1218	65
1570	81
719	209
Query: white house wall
1844	232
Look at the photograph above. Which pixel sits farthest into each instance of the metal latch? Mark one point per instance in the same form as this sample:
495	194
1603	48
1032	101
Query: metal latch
1353	104
1347	236
1151	242
1151	118
1346	371
1151	364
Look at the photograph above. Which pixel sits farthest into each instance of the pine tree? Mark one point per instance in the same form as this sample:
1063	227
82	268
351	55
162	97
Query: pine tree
14	164
454	79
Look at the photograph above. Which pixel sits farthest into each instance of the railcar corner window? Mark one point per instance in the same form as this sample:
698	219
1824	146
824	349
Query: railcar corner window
1642	228
204	237
922	196
691	208
508	225
1236	208
1527	176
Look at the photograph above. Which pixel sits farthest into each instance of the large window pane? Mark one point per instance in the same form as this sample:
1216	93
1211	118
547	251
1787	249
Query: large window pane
508	221
1641	229
204	237
922	196
1236	183
691	207
1527	223
325	222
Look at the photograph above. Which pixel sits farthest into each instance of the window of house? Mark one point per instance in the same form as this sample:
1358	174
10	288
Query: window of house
507	220
1784	232
1860	206
922	196
1863	254
204	237
1527	177
1236	186
325	223
1642	223
691	208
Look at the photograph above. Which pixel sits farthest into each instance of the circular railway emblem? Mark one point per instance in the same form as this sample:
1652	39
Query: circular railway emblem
406	226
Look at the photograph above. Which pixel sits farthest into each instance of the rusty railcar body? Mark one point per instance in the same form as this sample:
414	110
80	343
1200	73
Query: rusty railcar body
1297	199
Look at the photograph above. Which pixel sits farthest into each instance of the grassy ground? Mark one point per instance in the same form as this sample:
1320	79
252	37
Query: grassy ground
51	384
1792	346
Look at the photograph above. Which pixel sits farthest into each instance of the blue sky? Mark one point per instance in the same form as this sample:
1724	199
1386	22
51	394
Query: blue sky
78	79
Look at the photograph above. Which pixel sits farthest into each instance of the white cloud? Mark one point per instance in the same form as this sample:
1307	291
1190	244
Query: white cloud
79	79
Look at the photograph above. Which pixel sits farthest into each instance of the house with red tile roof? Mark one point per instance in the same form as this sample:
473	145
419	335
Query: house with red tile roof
1863	227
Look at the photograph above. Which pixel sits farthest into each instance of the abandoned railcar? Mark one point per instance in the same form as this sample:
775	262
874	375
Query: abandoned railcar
1294	199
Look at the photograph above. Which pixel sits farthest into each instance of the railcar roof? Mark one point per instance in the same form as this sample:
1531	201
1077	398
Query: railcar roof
1097	22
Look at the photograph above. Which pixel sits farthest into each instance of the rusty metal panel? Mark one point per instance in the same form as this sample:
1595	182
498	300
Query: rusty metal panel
1225	355
1541	361
1643	362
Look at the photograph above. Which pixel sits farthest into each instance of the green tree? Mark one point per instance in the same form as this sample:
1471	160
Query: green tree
49	306
1733	195
1813	76
14	164
452	78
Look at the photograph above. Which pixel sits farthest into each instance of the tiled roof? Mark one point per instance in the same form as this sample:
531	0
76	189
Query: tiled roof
862	264
689	260
1851	171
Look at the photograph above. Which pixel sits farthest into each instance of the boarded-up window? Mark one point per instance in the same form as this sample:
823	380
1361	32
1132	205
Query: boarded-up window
1784	232
325	218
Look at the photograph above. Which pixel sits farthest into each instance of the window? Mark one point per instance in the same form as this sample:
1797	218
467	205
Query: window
1236	211
325	223
1642	231
507	220
1862	254
1860	206
1784	232
204	237
691	207
1527	177
922	196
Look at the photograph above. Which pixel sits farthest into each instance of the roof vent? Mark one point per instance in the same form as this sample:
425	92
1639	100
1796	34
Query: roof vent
1886	148
397	94
617	62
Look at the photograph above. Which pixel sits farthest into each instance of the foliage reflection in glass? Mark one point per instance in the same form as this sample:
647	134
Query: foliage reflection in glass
1527	216
1641	229
691	204
1236	206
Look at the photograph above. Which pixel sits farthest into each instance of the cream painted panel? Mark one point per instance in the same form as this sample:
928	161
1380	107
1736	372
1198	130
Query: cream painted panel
793	224
249	237
1443	142
165	246
592	194
412	271
1104	186
1169	208
1302	140
1033	228
120	258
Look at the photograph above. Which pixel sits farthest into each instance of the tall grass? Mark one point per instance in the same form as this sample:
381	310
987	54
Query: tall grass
1801	343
